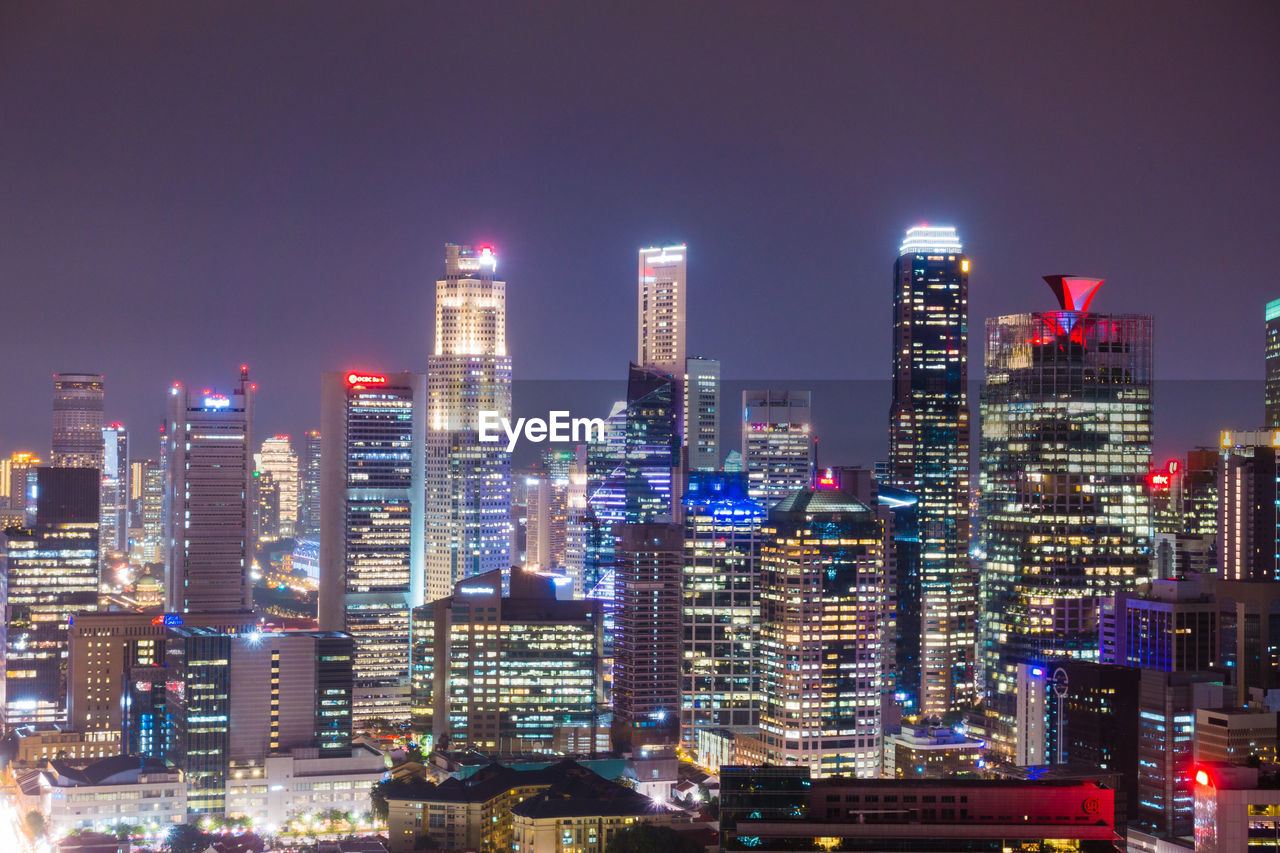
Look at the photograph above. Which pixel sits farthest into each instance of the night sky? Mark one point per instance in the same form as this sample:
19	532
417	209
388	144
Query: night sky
188	186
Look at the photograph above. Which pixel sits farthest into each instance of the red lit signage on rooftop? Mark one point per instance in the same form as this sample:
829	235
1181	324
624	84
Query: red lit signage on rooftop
365	379
1161	480
827	479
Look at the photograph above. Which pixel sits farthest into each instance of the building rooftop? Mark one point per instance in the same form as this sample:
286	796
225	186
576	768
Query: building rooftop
117	770
580	796
488	782
812	501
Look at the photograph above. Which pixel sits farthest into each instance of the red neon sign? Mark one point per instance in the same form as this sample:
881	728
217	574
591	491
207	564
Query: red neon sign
1163	479
365	379
827	479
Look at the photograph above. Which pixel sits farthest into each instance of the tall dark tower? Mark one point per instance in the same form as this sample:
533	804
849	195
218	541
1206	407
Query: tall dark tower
1273	364
929	457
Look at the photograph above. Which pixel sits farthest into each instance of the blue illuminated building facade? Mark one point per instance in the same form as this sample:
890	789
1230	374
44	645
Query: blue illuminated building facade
652	448
720	586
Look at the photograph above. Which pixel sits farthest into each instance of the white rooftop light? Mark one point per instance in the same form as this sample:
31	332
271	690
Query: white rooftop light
927	238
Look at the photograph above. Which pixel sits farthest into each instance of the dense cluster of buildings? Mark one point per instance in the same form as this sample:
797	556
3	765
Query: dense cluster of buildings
1074	647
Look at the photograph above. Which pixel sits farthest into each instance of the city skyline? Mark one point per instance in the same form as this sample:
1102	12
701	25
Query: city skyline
871	540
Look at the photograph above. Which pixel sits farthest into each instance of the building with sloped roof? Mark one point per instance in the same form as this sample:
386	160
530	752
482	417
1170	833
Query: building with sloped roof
475	813
579	814
123	789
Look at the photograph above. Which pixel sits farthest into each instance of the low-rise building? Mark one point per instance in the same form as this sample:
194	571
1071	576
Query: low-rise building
930	752
782	808
475	812
33	747
718	746
580	814
124	789
280	787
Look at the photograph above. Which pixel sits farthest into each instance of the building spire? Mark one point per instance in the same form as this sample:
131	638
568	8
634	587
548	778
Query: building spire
1074	292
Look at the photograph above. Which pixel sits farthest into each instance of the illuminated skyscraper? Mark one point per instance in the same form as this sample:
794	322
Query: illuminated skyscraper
702	413
647	649
371	527
114	534
468	482
821	631
929	455
1066	450
1273	364
777	443
278	459
547	495
19	468
77	420
1249	506
651	460
266	507
661	301
309	496
147	486
208	497
50	572
720	614
507	673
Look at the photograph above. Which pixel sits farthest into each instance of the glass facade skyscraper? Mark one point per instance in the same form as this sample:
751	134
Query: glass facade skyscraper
77	420
371	531
1065	454
821	632
309	485
719	677
651	452
50	572
507	673
777	443
929	455
115	489
278	459
468	482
